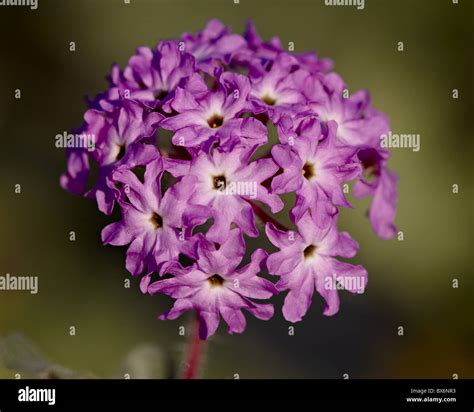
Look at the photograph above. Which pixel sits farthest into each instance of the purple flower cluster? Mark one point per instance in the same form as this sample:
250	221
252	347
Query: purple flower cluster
186	201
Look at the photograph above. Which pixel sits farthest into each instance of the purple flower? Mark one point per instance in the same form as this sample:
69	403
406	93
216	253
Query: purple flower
306	262
118	138
358	123
119	135
151	223
360	126
213	46
214	287
151	76
214	115
315	167
224	184
280	90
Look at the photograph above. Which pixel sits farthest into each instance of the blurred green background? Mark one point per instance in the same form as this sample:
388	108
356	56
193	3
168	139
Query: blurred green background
81	283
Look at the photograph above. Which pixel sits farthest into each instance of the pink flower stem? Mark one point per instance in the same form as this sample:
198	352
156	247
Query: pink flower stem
194	352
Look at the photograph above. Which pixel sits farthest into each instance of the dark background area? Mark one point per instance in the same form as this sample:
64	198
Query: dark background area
81	283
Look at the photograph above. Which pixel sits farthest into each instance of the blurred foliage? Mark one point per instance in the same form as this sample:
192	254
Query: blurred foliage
21	358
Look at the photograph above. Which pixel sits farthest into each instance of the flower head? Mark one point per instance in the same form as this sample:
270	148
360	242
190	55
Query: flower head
222	170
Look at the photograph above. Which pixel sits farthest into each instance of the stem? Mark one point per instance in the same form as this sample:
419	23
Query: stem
194	352
261	214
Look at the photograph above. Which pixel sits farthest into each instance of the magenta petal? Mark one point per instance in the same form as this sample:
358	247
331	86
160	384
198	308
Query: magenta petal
262	311
298	301
116	234
235	319
383	208
208	325
179	307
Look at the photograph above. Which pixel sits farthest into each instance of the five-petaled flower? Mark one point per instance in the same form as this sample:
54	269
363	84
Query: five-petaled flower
306	262
215	287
